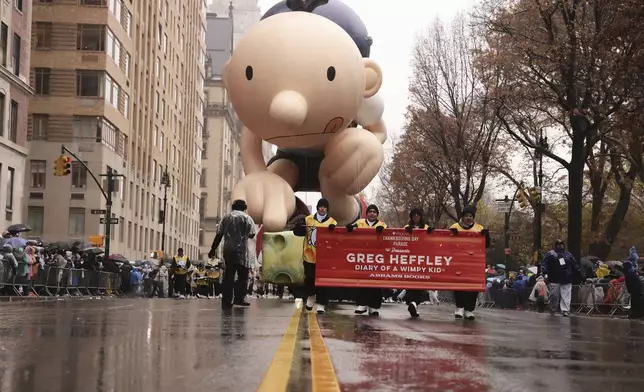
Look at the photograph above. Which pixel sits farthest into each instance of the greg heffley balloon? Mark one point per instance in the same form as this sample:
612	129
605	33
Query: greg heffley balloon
301	80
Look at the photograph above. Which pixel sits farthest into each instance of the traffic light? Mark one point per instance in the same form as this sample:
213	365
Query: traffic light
58	166
62	166
67	165
522	199
535	194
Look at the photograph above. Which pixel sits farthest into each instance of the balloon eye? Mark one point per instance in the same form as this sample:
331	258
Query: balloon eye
249	72
330	73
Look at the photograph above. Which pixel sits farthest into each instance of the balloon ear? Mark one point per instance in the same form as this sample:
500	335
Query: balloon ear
373	78
225	72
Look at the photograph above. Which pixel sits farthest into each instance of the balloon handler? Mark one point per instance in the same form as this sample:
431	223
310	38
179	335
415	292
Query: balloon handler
301	79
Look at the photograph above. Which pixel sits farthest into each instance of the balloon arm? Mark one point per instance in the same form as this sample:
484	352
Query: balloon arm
379	130
251	152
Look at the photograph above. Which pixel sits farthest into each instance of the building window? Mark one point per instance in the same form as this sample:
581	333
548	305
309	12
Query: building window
126	66
87	127
202	206
111	91
128	23
94	2
38	173
43	35
90	37
43	76
17	42
76	221
2	105
204	150
40	125
79	175
88	83
35	220
126	104
18	4
4	40
202	179
9	188
114	49
13	122
116	7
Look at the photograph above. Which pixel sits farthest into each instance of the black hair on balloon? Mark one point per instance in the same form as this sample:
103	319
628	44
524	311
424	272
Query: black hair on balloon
305	5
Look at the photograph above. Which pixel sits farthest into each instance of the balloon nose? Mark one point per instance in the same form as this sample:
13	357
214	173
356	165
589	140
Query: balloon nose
289	108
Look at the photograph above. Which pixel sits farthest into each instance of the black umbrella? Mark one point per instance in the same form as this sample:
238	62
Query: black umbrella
92	251
118	258
80	246
59	245
18	228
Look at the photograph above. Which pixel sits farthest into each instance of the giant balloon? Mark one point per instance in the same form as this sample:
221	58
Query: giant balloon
302	80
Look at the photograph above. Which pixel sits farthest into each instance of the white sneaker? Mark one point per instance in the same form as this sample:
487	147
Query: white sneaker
360	310
320	309
182	296
459	313
470	316
310	302
298	303
374	312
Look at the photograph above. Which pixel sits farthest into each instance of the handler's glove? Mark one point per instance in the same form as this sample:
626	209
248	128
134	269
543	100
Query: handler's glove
454	230
485	232
331	227
211	254
349	228
379	229
430	230
409	229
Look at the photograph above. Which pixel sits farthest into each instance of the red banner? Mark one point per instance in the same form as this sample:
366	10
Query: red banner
397	259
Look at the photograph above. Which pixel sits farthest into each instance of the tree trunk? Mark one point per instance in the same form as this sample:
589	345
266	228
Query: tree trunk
575	195
619	214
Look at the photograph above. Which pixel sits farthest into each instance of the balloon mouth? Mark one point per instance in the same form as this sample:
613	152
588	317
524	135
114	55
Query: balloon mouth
333	126
294	136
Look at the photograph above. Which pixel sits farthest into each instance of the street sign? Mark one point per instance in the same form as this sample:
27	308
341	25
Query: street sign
98	212
96	240
504	206
113	221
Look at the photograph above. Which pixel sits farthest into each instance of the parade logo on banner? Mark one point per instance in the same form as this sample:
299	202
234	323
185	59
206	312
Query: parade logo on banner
400	260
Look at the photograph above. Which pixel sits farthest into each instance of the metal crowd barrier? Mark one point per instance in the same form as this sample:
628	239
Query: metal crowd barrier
599	298
55	281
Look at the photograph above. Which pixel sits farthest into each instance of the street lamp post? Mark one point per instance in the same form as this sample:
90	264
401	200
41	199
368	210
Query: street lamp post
165	181
539	205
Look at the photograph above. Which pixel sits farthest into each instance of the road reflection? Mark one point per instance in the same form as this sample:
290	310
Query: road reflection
117	346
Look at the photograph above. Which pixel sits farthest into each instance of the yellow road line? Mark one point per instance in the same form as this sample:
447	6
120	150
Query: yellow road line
279	371
322	372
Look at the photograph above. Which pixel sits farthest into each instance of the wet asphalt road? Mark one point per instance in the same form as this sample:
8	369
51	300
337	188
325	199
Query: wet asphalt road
501	351
183	346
